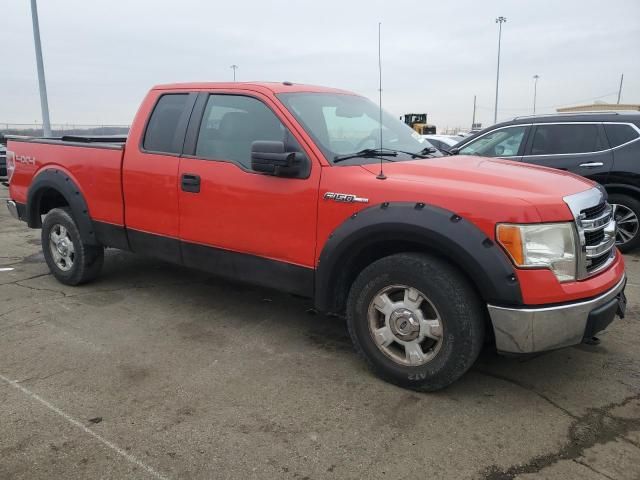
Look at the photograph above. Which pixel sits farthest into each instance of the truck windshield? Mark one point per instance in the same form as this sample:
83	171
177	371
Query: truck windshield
343	124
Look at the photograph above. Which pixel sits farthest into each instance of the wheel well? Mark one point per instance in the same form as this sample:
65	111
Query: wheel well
354	264
622	189
46	200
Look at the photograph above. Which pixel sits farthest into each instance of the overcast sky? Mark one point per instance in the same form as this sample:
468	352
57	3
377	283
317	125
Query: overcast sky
102	56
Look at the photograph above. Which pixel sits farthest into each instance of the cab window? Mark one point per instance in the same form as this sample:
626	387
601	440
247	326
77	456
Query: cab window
231	123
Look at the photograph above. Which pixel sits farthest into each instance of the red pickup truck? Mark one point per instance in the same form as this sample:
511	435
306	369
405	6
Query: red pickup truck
316	192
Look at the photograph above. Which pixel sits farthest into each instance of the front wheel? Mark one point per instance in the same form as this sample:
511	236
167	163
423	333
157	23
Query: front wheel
416	320
70	261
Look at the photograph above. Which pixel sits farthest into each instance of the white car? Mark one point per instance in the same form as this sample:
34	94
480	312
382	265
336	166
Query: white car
443	142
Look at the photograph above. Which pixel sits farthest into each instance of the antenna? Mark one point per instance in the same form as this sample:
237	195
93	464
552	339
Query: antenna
381	175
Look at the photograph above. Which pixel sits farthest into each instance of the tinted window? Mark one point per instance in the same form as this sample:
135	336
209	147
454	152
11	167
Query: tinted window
162	134
619	134
568	138
504	142
231	123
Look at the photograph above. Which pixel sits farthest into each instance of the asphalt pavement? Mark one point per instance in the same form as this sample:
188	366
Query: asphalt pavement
157	371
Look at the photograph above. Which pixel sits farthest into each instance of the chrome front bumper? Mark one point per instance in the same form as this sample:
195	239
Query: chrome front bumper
529	330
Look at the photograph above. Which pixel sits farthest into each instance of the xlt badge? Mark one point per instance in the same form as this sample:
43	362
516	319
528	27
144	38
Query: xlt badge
344	198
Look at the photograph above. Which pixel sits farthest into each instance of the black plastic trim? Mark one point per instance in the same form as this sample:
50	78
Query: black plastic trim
21	208
111	235
59	181
435	230
248	268
159	246
237	266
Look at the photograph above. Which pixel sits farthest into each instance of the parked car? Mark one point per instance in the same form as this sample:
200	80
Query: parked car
3	161
286	186
444	143
604	147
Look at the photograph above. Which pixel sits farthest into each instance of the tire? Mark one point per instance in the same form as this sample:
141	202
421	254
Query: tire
446	295
628	235
74	262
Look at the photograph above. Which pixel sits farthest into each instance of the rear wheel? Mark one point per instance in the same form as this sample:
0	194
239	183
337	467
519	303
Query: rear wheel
627	215
70	261
416	321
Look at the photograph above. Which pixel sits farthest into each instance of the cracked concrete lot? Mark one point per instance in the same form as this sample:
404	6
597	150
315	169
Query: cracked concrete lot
156	371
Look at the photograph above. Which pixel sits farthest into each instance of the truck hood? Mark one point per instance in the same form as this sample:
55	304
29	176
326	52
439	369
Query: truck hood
497	176
529	193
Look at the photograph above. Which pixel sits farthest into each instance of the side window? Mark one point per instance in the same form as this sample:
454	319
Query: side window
566	138
504	142
619	134
162	130
231	123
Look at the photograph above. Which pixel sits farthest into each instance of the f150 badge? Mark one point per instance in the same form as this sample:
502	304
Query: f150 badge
344	198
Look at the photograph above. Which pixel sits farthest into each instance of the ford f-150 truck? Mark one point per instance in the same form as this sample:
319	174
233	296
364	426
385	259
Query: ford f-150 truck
317	192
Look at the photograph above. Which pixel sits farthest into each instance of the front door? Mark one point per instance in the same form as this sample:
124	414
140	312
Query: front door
237	222
504	142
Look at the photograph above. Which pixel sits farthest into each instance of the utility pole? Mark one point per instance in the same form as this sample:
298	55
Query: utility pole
535	91
499	21
620	89
473	120
234	67
44	104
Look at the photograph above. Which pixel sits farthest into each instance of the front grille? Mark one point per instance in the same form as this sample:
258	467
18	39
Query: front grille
594	238
597	225
594	212
598	262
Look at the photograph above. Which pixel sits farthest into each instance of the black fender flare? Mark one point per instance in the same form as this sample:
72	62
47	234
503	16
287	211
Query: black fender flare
55	179
436	230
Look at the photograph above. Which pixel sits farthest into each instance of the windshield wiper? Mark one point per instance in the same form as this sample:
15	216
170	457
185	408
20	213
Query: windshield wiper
367	153
426	152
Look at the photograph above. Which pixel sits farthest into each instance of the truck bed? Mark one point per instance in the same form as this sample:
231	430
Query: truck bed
93	163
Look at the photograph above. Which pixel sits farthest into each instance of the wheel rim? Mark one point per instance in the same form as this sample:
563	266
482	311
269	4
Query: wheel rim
626	222
61	247
405	325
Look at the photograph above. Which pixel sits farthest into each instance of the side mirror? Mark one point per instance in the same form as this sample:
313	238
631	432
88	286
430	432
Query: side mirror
271	158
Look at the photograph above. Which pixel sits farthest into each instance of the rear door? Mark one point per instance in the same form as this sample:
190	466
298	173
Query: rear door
580	148
150	174
233	220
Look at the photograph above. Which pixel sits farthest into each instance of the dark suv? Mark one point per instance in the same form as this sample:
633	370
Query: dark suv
602	146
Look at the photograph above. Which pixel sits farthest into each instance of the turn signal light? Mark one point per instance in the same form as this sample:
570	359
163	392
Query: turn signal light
510	238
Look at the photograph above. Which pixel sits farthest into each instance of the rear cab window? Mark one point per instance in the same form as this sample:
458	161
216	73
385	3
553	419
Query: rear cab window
166	127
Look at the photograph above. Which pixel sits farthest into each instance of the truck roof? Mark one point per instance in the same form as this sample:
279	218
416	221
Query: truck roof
272	87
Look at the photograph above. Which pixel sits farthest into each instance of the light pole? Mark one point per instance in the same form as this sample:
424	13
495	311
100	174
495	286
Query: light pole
44	104
535	91
499	21
234	67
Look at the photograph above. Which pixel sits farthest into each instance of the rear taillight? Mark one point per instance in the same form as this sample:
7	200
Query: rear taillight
11	164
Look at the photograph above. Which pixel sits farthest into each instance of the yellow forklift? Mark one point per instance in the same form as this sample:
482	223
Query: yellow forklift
418	121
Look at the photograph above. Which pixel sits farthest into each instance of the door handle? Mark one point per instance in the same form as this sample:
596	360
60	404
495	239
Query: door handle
591	164
190	183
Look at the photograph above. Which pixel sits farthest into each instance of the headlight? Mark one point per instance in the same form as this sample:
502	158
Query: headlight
542	245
